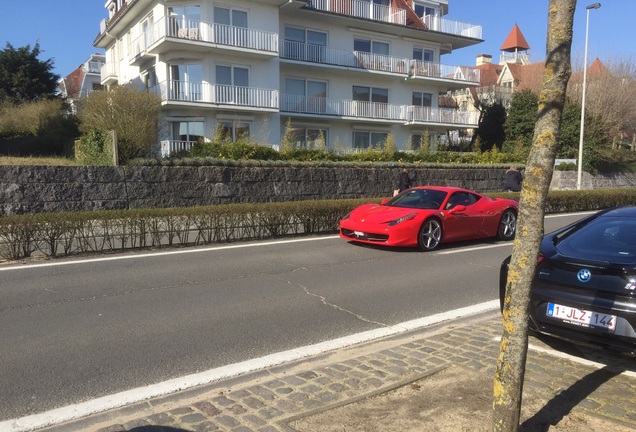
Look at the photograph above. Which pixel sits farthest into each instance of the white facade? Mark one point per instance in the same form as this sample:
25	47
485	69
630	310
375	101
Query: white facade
355	71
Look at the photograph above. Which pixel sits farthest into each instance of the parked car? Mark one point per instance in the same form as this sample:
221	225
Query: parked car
585	283
427	216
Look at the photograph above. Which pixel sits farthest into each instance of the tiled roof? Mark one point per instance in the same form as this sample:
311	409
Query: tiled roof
528	77
73	83
489	74
515	41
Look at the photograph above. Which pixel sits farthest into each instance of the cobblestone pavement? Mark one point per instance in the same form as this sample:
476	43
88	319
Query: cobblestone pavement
267	401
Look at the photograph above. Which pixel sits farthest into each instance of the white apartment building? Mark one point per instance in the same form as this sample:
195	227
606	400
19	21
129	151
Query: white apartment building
82	81
353	71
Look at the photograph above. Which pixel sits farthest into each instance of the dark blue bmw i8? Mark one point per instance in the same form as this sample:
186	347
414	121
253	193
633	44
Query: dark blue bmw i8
585	283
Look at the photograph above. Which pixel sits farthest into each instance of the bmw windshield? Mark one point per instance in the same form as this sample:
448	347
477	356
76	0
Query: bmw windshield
610	239
419	198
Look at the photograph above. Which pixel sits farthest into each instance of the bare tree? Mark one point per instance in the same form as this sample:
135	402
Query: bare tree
610	93
511	362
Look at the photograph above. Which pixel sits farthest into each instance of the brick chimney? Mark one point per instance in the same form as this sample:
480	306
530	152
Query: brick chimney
483	59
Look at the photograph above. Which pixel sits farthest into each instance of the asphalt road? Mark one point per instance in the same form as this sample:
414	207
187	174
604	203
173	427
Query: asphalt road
75	329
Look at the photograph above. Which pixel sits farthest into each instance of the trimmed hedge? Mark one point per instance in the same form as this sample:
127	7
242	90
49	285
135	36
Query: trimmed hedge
63	234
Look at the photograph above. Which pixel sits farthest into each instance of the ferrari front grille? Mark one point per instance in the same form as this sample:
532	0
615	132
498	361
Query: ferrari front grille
357	235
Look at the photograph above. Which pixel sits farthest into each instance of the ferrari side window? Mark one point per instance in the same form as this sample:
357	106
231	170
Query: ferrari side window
461	198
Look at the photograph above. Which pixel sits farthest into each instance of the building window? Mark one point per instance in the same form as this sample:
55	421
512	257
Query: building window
416	141
370	94
186	82
307	137
425	55
421	99
371	46
233	130
191	131
230	27
370	101
305	95
304	44
184	21
150	78
422	9
232	84
366	139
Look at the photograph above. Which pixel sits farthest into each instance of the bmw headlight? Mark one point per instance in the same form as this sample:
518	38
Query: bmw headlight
402	219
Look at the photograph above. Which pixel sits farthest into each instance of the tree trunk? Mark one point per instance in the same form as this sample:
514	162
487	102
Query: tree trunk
511	362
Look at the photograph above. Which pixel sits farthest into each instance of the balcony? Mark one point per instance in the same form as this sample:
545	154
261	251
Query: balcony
376	62
457	28
178	34
375	111
221	96
171	147
360	9
108	74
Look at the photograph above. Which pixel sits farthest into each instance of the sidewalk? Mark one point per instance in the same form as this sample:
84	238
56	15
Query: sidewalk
438	378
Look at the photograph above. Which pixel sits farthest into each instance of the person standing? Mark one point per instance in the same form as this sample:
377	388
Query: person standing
513	180
405	181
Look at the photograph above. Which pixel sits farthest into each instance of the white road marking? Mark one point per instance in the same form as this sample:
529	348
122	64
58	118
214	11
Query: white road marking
162	253
470	249
118	400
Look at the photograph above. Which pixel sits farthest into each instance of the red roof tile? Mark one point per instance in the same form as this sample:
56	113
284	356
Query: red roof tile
515	41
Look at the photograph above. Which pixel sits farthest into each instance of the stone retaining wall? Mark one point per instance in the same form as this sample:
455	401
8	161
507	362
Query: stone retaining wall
29	189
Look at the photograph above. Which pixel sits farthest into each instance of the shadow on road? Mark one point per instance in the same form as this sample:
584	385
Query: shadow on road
561	405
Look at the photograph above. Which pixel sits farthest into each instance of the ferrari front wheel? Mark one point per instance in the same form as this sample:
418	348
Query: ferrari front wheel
430	235
507	225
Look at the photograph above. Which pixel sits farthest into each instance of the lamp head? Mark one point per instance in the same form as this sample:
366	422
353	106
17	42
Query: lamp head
593	6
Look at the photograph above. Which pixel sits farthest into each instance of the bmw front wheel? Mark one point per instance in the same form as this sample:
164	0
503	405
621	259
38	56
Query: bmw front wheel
430	235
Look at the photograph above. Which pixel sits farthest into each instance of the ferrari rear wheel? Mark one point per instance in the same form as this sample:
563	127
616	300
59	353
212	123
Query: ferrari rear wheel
507	225
430	235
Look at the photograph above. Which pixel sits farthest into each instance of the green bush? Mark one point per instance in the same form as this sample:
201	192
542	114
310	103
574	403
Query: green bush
566	166
94	149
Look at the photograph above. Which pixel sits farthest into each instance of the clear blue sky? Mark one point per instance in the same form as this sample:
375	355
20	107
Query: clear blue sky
66	29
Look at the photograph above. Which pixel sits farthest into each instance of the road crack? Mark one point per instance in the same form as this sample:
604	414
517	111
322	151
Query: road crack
324	301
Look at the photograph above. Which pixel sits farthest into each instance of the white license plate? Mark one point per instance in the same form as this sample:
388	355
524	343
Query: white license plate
581	317
358	234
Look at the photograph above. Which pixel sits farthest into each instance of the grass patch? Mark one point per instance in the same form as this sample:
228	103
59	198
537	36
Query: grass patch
38	160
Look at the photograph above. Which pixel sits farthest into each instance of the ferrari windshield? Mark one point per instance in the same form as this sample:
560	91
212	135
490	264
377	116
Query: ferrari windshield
419	198
611	239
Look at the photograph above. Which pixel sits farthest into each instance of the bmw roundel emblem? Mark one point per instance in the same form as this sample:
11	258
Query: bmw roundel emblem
584	275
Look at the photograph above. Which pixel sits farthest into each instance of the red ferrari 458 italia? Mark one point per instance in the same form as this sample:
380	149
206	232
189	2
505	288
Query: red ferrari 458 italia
427	216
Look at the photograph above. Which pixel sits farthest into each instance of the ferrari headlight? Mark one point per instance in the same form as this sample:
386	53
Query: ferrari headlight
402	219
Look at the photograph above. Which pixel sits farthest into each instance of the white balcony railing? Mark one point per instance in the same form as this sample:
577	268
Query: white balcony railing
419	68
170	147
443	25
93	66
360	9
194	30
375	110
217	94
364	60
108	72
442	115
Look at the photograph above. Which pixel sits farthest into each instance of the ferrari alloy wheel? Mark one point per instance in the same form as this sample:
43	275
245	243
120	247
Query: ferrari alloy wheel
507	225
430	235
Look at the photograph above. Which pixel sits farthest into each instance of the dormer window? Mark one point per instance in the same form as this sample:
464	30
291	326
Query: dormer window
423	9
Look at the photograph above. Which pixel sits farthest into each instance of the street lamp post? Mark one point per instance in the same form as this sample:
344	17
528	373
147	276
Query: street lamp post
580	164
